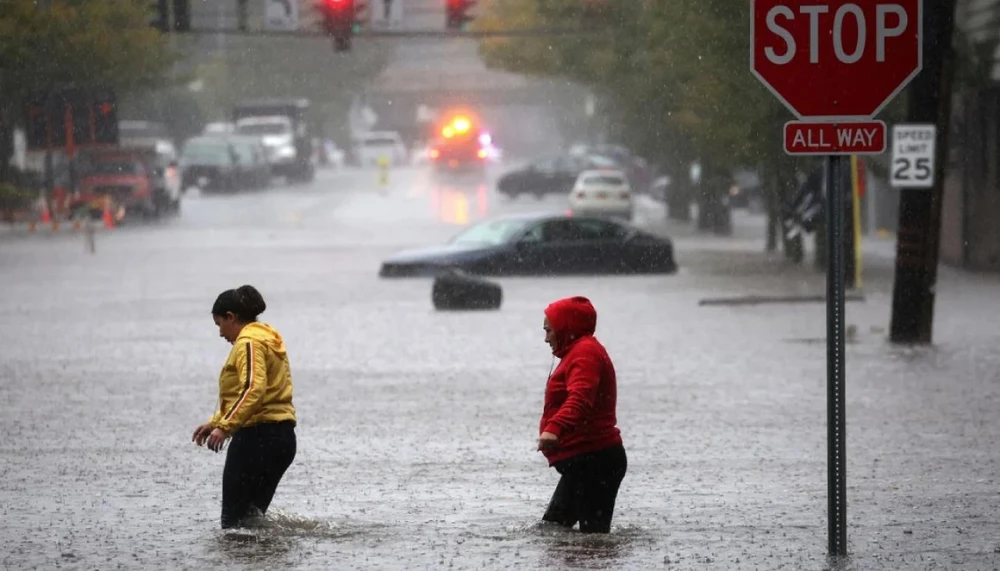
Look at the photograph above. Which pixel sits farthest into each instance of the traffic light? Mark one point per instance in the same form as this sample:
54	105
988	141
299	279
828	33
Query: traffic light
161	15
105	116
37	124
182	15
458	13
338	22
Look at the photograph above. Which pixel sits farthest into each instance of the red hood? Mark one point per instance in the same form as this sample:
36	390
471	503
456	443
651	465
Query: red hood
105	179
571	318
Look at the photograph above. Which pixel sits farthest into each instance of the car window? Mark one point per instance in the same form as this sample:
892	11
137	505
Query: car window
264	129
535	234
244	152
491	232
602	230
117	168
213	154
581	229
545	165
604	180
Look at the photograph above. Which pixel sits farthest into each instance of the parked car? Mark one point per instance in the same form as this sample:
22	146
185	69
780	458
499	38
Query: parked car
550	175
384	145
254	170
540	244
602	192
209	163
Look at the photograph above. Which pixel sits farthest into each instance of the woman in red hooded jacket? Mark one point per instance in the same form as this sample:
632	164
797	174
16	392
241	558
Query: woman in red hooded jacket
578	433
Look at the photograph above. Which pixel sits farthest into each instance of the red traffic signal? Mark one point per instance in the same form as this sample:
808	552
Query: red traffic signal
458	13
340	18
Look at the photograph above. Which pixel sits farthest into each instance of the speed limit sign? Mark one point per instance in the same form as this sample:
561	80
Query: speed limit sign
913	156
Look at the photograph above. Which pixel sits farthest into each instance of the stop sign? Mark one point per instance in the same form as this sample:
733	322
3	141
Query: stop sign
836	59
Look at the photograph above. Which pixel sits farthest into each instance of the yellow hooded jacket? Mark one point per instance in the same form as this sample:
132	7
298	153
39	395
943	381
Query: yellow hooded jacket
256	383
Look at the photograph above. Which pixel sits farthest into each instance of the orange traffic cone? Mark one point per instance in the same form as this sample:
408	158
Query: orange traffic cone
109	219
46	215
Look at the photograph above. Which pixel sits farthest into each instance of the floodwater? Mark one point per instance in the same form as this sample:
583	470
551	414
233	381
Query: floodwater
416	428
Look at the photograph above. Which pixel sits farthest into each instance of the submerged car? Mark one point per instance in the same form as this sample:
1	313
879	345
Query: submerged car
541	244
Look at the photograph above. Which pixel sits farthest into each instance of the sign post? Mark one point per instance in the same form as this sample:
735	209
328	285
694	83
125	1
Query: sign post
913	156
835	64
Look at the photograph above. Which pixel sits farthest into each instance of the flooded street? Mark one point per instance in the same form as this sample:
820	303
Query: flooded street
417	428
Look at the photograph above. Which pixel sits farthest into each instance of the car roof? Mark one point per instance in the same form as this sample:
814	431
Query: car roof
300	102
546	216
262	120
603	172
212	138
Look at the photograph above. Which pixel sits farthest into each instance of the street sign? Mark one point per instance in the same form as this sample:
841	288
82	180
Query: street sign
834	59
913	156
836	62
848	138
281	15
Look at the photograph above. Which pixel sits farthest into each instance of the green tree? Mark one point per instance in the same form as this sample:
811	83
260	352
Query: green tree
46	45
674	74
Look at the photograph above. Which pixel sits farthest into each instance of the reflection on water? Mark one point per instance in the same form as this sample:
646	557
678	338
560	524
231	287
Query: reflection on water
255	546
562	547
451	204
559	547
277	539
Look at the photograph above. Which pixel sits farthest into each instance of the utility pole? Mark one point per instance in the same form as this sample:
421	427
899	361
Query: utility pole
918	238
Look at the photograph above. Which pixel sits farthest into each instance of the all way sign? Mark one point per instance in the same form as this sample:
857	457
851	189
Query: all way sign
847	138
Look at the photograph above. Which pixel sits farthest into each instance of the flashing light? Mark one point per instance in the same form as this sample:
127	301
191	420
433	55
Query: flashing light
461	124
434	153
482	153
485	139
448	132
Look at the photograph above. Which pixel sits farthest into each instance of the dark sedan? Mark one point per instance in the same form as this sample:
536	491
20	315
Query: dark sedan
540	245
554	175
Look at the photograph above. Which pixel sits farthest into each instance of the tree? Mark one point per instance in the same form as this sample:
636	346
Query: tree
80	43
675	75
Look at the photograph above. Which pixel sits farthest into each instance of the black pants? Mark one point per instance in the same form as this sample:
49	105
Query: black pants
257	459
588	489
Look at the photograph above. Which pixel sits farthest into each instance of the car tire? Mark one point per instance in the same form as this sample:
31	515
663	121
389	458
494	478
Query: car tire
456	290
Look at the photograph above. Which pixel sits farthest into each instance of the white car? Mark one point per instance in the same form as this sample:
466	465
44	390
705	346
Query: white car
219	128
602	192
381	145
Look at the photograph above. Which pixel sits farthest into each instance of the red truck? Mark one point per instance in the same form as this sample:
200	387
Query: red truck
130	179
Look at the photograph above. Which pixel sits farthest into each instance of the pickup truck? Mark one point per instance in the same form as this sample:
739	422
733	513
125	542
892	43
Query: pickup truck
137	180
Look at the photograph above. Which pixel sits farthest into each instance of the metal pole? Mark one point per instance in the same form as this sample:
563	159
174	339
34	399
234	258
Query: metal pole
835	421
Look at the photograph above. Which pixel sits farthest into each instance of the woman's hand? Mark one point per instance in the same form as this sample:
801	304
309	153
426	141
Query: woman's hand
201	434
216	439
547	441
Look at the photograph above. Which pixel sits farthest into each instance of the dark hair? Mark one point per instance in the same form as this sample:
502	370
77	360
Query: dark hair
245	302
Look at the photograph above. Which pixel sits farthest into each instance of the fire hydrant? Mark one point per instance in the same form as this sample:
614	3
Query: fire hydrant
383	172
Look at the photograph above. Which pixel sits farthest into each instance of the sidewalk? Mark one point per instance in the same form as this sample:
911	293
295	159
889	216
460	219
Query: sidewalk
743	254
21	229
